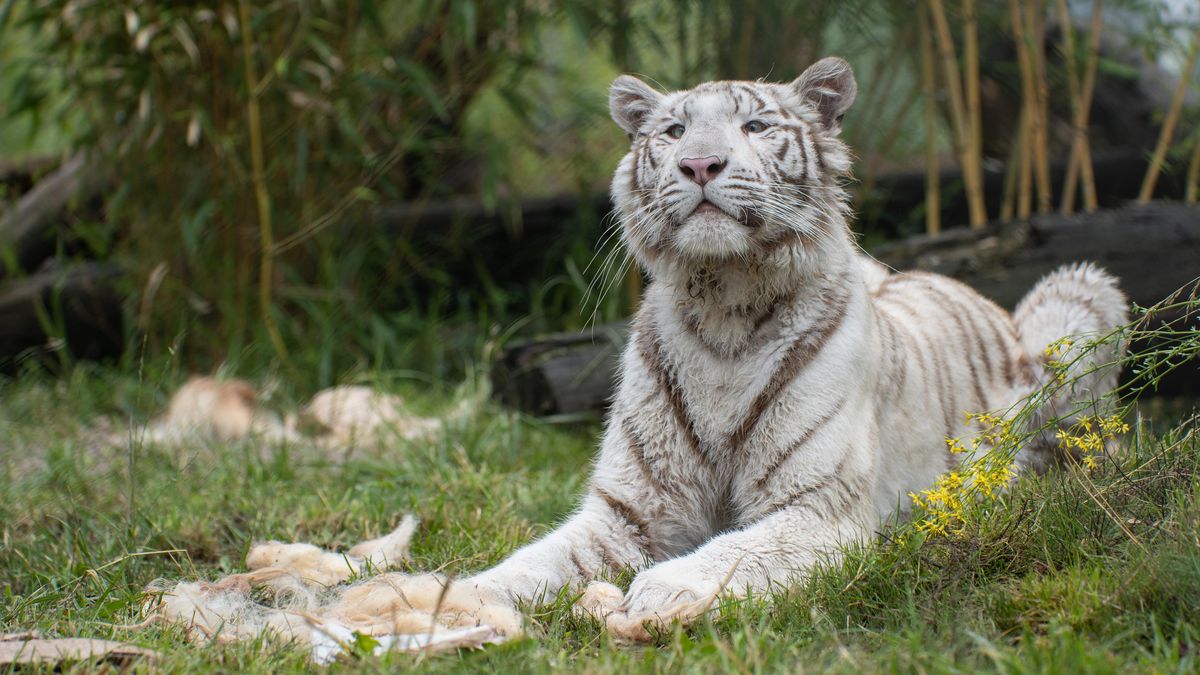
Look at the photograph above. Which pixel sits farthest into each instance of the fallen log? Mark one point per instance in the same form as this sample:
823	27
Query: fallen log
28	229
19	176
1153	248
77	309
461	242
563	374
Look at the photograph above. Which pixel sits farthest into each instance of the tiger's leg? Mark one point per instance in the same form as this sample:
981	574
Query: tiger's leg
611	531
772	552
598	537
641	504
605	535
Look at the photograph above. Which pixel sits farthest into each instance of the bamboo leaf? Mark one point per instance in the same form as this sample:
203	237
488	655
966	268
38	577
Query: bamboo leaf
425	86
5	12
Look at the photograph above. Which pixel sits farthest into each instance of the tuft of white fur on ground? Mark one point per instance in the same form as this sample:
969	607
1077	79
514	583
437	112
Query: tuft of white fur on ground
227	411
353	412
316	566
220	410
310	604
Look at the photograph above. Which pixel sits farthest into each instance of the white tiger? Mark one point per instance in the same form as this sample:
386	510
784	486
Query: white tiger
780	392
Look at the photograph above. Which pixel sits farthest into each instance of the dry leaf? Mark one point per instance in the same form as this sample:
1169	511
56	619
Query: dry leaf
69	649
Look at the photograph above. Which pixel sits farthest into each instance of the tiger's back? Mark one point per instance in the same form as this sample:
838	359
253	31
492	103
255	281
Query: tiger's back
945	351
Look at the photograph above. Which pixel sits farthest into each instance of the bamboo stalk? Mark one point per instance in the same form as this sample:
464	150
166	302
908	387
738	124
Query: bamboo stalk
1067	202
1025	190
945	50
262	197
974	110
933	198
945	47
1029	90
633	288
1008	204
1090	203
1035	17
1168	129
745	44
1193	174
1080	160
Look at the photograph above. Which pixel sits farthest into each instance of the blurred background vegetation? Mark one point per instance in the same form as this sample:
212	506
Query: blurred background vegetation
320	188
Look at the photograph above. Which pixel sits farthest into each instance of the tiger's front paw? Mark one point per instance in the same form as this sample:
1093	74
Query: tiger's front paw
667	586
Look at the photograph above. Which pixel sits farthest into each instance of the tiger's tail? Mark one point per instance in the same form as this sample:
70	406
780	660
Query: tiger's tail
1066	322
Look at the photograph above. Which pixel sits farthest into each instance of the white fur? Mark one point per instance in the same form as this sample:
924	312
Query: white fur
206	408
309	606
869	412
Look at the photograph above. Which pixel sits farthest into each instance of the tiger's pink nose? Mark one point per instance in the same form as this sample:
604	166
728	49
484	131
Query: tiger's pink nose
701	170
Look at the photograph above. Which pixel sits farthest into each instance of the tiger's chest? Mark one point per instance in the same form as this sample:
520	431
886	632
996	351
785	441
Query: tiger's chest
743	407
721	393
755	424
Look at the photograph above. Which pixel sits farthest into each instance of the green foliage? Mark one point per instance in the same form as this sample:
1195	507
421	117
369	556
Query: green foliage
359	102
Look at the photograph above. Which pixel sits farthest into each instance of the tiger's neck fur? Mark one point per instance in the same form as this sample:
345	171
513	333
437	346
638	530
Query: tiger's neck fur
727	306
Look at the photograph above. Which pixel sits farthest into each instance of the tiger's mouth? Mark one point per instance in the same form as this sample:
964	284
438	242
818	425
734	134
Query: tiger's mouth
713	231
708	210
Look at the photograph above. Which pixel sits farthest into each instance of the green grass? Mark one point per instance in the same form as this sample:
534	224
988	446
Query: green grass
1072	572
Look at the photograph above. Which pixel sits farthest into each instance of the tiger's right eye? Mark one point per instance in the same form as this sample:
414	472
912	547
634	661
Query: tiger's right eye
675	131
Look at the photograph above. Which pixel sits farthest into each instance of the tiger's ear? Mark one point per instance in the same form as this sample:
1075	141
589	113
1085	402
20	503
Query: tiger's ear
629	102
828	85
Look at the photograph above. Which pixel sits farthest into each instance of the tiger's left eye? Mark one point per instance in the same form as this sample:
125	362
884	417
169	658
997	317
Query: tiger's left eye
755	127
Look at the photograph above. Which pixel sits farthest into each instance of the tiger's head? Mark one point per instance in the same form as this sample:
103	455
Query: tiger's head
733	171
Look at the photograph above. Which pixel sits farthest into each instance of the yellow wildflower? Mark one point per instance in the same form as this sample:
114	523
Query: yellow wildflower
943	505
1089	435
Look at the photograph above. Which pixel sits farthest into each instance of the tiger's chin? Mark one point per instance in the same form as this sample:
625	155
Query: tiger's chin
710	234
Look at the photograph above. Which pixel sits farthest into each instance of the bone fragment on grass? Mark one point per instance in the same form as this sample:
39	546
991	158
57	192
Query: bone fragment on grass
205	406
